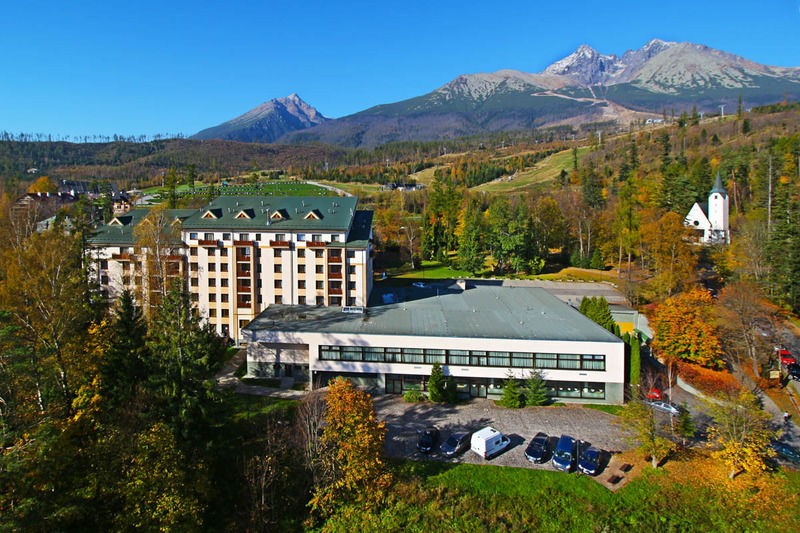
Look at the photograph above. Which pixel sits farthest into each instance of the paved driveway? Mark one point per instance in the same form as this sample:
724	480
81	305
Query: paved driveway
404	419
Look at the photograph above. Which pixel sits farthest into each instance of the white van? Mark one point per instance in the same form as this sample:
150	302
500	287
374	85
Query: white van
488	442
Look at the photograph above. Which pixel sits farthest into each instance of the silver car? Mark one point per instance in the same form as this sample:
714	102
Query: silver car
665	407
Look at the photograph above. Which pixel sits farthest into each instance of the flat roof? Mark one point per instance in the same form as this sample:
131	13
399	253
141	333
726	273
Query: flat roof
484	310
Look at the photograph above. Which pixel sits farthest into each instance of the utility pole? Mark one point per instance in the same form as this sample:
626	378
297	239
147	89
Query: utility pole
769	198
722	110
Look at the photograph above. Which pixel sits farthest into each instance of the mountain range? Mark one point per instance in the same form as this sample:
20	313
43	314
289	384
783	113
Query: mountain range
585	86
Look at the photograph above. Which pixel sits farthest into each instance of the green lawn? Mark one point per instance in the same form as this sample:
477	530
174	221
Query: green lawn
610	409
435	496
243	407
544	171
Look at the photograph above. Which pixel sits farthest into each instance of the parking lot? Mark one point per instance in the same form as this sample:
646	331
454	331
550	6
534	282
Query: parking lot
403	420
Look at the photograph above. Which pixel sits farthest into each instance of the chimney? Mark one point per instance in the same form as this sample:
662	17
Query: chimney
462	284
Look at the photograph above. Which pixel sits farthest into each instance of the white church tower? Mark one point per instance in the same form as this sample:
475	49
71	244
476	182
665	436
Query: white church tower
712	216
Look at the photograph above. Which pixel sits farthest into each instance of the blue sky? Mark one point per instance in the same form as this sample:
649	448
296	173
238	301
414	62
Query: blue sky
83	68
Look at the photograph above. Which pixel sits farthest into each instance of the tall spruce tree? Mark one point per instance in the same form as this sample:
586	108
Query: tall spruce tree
535	390
436	384
125	364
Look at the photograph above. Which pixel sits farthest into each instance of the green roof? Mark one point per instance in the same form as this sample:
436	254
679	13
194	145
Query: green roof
113	234
332	213
484	310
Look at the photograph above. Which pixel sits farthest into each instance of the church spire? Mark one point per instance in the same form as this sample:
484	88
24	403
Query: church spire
718	186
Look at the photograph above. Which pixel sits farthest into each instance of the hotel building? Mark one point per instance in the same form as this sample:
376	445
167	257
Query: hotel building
240	254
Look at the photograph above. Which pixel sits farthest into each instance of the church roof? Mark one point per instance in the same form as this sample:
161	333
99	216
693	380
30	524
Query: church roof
718	186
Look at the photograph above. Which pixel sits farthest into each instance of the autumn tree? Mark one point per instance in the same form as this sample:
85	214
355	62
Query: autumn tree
742	312
740	433
352	458
43	185
684	329
157	239
667	253
645	431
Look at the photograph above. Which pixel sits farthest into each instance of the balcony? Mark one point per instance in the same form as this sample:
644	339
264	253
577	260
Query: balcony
177	257
335	259
280	244
245	289
207	242
243	257
316	244
243	273
335	291
243	302
335	275
243	243
121	257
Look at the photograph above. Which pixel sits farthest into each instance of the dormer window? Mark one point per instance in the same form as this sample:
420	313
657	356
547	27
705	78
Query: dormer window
209	214
115	222
276	216
242	214
312	215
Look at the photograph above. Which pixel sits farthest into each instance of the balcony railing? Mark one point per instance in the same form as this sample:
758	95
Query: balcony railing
244	288
121	257
208	242
335	259
335	275
280	244
243	243
316	244
335	291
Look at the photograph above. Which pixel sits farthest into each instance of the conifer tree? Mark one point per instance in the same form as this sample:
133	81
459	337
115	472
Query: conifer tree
436	384
510	397
535	391
125	363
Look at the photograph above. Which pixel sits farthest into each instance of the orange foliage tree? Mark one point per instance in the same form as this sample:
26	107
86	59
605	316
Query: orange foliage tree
352	465
43	184
684	329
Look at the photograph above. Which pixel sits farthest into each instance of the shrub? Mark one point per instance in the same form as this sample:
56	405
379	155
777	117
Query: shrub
414	396
436	384
450	390
707	380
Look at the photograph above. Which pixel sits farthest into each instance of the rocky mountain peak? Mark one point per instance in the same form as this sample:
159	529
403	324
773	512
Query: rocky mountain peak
586	66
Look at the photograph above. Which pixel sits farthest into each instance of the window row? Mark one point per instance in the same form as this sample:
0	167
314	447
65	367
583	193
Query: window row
430	356
301	237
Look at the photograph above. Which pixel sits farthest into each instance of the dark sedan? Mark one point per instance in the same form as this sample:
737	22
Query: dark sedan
537	449
455	444
590	461
427	439
786	452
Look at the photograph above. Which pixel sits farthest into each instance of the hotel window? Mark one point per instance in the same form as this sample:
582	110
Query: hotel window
435	356
278	269
212	313
212	282
195	297
301	237
224	297
477	358
498	359
278	299
212	252
225	313
319	269
193	236
546	360
320	285
316	237
208	236
224	282
193	267
334	238
277	252
193	251
194	282
351	285
244	236
257	237
301	269
223	252
351	269
301	284
212	267
301	300
103	264
223	267
212	297
351	254
373	354
394	355
458	357
278	284
336	300
569	361
226	236
522	360
280	236
412	355
318	254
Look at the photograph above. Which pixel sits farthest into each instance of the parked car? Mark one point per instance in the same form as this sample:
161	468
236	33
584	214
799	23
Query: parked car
537	449
784	355
654	394
590	461
665	407
427	439
488	442
794	371
564	456
785	452
455	444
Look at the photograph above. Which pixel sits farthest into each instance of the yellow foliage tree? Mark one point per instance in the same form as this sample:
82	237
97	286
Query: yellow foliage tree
43	185
740	433
352	462
684	329
667	253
